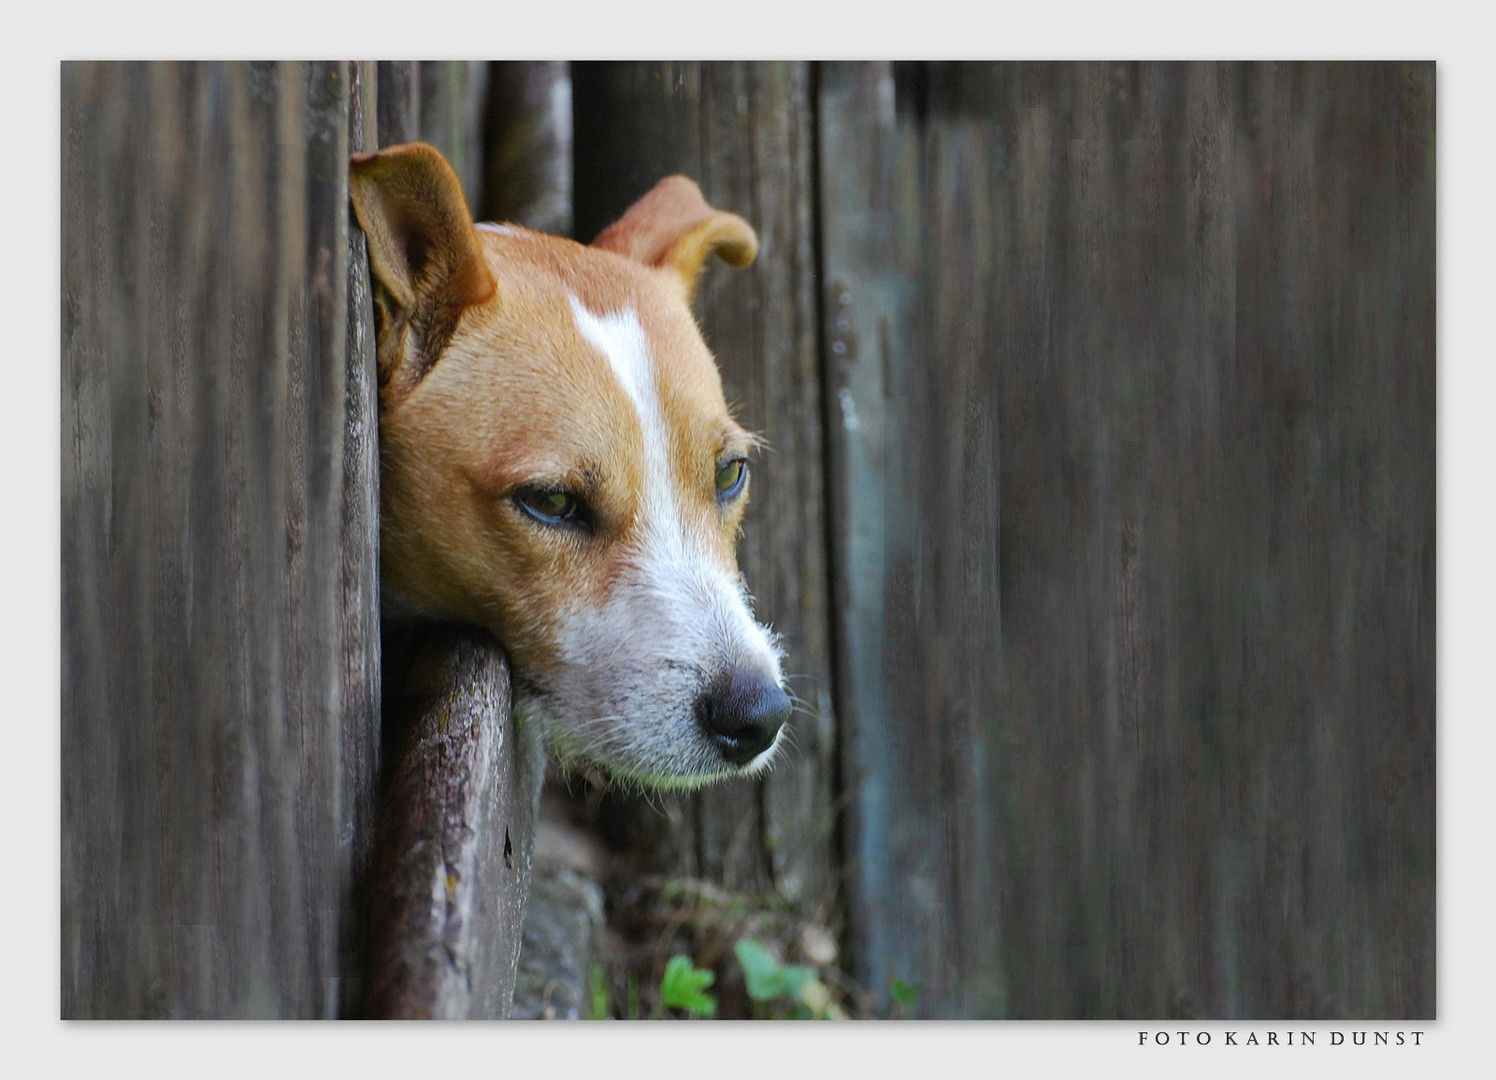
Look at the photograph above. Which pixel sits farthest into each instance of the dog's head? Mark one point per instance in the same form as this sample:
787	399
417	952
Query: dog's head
558	464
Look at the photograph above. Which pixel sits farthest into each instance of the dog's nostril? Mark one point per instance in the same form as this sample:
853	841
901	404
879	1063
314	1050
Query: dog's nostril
743	714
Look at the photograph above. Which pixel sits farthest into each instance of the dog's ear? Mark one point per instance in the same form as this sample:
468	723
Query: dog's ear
427	261
672	226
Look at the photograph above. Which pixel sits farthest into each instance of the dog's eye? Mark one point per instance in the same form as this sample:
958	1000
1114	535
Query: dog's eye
550	507
731	476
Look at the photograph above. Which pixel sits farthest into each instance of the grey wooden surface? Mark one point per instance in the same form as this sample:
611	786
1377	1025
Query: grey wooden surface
1134	469
218	663
359	563
527	145
456	832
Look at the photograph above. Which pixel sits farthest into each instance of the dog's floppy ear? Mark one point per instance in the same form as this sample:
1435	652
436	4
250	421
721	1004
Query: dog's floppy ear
428	264
674	227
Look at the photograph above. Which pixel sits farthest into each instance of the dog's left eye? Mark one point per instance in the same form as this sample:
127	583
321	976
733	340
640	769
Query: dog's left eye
731	476
550	507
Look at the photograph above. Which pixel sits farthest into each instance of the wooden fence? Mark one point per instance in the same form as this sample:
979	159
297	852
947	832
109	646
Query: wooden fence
1136	532
1098	521
219	603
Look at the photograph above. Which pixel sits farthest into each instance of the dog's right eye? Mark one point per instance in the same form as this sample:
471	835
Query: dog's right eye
550	506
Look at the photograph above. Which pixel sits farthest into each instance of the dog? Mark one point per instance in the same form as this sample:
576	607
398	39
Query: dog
558	464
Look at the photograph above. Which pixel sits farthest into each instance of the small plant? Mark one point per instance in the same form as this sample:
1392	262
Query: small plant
597	980
905	996
769	982
684	987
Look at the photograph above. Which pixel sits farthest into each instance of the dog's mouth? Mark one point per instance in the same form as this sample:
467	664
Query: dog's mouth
733	727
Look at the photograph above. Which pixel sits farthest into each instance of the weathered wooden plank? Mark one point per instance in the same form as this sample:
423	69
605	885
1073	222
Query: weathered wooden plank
207	853
632	123
398	101
456	830
870	252
742	131
1249	378
528	146
453	94
1197	303
358	611
946	395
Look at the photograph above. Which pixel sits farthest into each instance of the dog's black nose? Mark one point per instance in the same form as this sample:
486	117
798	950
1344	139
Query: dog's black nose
743	712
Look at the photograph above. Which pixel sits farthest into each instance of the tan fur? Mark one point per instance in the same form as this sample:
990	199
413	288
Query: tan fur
673	228
517	397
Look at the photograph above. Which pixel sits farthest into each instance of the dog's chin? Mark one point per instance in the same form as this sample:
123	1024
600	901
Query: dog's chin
647	775
690	763
632	778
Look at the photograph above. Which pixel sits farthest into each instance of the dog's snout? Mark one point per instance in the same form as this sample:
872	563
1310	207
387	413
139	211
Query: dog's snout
743	713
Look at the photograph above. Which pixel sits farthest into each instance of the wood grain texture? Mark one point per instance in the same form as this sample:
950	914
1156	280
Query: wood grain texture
359	566
453	96
216	688
743	132
398	115
527	140
1135	538
456	833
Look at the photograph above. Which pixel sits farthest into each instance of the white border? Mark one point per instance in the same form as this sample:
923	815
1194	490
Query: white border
763	28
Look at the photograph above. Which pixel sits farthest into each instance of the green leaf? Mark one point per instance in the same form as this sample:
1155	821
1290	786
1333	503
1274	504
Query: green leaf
767	979
904	993
684	987
598	988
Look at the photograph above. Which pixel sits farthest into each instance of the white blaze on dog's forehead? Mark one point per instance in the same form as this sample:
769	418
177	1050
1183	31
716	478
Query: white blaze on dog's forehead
496	227
620	338
698	591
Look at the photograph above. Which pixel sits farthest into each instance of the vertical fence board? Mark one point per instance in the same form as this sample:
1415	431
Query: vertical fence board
453	94
358	612
214	702
398	101
632	123
528	146
1203	442
949	397
1196	303
869	234
906	221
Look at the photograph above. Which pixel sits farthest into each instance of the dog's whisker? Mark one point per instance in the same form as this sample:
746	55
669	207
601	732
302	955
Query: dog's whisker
791	739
